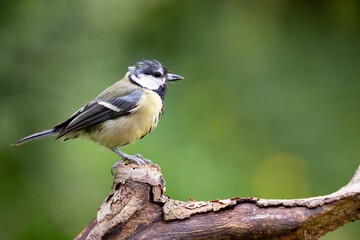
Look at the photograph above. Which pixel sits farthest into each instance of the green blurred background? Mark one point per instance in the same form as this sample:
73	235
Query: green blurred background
269	106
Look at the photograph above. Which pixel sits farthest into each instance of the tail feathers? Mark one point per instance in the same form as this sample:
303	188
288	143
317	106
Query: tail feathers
39	135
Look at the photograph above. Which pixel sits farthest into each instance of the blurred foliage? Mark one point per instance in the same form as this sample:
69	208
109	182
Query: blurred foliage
269	106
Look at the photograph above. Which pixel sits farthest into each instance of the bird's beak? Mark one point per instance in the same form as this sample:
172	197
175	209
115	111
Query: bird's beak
174	77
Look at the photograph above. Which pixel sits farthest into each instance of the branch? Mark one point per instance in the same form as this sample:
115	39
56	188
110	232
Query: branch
137	209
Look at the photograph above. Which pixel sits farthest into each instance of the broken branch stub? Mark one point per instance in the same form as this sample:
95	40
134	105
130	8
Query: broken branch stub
136	208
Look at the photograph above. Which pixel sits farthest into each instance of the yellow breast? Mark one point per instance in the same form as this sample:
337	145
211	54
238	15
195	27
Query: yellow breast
127	129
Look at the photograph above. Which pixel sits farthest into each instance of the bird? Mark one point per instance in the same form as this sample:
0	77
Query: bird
123	113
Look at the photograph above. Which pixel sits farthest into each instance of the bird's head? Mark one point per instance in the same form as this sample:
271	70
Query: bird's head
151	74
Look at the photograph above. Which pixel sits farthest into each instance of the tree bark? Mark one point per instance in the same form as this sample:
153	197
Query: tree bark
136	208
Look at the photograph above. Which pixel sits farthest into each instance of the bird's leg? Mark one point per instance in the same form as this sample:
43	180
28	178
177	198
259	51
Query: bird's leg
140	160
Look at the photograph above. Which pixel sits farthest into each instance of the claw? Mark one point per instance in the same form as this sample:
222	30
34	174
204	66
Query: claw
136	159
144	159
115	166
147	161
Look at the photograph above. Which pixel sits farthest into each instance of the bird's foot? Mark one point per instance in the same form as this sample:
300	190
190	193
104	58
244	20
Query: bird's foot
138	159
147	161
115	166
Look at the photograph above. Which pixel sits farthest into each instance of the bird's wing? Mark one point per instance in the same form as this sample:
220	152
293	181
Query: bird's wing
98	111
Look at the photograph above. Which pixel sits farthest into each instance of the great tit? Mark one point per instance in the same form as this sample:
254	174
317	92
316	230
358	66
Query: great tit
123	113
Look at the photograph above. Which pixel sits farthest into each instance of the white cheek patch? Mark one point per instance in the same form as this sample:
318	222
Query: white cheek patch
149	81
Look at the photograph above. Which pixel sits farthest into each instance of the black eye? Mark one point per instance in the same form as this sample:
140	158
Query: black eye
157	74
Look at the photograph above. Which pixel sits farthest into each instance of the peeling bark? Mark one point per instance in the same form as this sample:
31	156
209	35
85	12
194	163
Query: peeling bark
136	208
